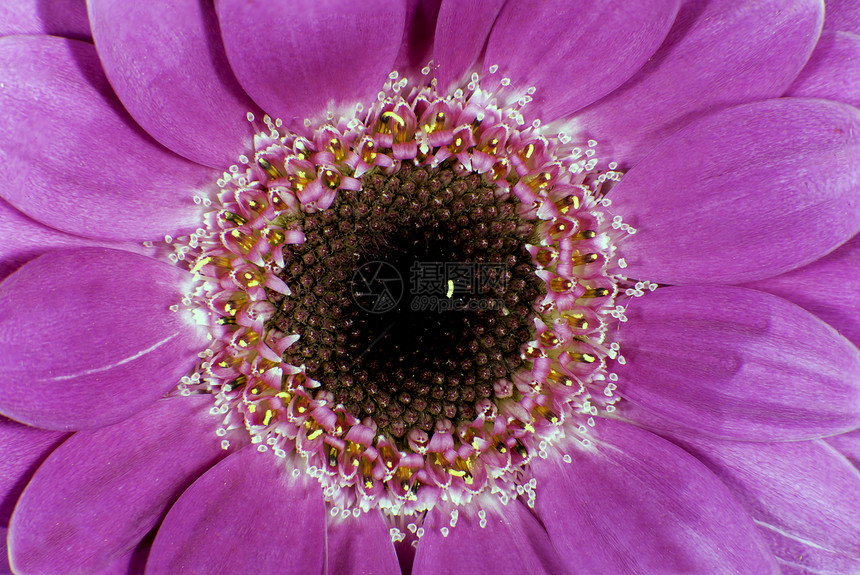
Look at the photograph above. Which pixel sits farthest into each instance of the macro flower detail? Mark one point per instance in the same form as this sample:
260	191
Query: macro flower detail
399	413
430	286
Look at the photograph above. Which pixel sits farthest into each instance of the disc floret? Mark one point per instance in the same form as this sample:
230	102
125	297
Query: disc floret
271	344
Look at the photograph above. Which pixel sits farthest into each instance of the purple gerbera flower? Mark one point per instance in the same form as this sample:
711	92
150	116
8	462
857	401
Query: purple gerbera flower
430	286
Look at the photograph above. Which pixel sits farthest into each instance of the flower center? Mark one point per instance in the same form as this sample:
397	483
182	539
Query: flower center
411	296
410	301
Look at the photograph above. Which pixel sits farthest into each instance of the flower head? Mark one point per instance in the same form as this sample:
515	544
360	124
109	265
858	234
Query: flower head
430	287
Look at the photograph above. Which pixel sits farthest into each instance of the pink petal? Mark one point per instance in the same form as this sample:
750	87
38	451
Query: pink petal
87	337
635	503
843	15
511	542
461	34
67	18
321	51
577	52
742	194
827	287
133	562
174	79
24	449
5	568
417	46
833	71
736	363
359	545
100	492
803	496
719	53
246	511
848	444
74	160
25	239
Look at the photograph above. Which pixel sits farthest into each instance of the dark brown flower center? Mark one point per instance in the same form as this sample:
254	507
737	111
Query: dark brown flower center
412	296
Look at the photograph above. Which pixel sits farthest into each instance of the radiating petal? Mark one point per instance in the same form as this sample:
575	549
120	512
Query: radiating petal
634	503
743	194
316	52
5	568
803	496
245	513
166	62
133	562
848	444
833	71
843	15
575	52
72	158
461	34
24	449
25	239
719	53
417	46
87	337
827	287
358	545
67	18
511	542
737	363
100	492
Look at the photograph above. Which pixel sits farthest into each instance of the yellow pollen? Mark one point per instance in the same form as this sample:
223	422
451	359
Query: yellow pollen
582	259
544	256
200	263
257	206
331	179
557	228
559	284
500	169
392	116
575	320
596	292
557	377
527	152
539	181
491	147
234	218
273	172
249	339
549	339
534	353
337	149
368	153
275	236
566	203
